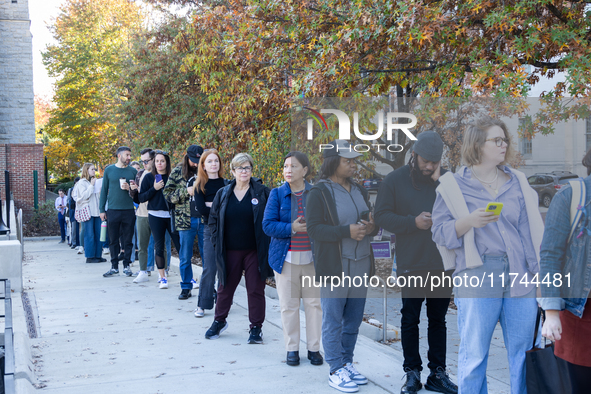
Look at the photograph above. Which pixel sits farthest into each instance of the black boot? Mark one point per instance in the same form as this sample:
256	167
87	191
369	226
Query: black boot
439	381
293	358
315	358
413	381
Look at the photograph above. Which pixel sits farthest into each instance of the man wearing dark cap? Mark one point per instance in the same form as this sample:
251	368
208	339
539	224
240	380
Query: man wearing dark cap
120	216
403	207
187	223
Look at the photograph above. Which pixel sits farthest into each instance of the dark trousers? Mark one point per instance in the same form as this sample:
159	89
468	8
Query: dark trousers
580	378
159	227
236	262
61	219
437	305
120	225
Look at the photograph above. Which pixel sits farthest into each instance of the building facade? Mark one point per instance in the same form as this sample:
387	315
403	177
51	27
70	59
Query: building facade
19	154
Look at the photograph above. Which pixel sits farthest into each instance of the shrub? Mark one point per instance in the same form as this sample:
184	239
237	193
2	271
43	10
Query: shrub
43	222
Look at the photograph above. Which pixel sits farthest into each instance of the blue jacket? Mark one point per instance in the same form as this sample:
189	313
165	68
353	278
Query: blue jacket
565	269
277	223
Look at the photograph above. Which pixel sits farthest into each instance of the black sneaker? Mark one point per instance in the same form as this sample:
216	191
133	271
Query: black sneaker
413	381
185	294
439	381
111	272
256	335
216	329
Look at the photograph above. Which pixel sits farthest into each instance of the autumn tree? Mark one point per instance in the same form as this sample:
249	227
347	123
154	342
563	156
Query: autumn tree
92	46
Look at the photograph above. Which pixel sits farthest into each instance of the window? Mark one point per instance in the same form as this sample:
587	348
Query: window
588	134
532	180
524	142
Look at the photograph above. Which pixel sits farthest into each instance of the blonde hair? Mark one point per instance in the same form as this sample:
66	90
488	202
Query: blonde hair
241	158
475	138
85	169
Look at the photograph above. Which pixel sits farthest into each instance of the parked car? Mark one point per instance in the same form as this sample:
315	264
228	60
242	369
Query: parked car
372	184
547	184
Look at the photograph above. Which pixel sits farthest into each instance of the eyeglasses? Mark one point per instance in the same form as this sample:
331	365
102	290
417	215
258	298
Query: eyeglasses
160	152
146	161
499	141
243	169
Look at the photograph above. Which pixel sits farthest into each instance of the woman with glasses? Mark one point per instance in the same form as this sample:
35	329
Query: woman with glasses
291	257
209	180
236	225
158	212
495	246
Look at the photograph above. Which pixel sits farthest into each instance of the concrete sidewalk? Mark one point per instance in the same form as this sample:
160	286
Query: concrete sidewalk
99	335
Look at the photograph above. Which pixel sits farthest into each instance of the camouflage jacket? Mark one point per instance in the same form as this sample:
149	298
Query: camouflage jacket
175	192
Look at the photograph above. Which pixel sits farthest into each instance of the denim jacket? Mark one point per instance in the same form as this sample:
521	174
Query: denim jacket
280	213
562	258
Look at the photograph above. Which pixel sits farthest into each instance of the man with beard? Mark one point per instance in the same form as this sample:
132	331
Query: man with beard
403	207
121	214
189	226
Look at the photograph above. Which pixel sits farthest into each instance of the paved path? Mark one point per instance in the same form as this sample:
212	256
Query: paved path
99	335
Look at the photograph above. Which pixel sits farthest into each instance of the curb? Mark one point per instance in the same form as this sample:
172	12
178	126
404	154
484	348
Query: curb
47	238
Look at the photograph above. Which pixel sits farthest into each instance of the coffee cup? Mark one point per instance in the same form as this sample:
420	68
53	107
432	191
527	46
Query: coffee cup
122	181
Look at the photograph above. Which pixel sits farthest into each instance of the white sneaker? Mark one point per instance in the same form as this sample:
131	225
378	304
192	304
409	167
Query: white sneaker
163	283
80	250
105	250
142	276
199	312
195	284
341	381
354	374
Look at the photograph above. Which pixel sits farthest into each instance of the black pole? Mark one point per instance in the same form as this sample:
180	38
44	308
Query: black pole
46	175
7	189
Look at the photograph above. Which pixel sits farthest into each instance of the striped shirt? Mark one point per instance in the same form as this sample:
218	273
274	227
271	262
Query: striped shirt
300	242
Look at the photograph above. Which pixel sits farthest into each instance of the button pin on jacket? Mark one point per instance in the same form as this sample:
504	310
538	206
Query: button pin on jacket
254	201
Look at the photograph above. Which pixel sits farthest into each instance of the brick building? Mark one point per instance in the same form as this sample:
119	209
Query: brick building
19	153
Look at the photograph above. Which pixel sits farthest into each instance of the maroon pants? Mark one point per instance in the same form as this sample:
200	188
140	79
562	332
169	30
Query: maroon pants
236	262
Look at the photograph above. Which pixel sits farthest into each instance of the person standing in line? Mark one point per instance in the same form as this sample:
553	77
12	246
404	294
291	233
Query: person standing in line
236	225
340	224
481	244
74	225
158	211
568	320
86	196
60	206
121	214
187	225
403	207
292	258
135	250
142	222
210	179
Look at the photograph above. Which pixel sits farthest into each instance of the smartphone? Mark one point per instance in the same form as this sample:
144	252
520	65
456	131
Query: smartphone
494	207
132	182
364	216
158	177
302	219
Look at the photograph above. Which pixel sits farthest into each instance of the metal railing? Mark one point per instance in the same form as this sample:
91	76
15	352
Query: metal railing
9	384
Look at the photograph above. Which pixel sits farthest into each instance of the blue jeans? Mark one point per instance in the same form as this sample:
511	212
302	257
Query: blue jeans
92	233
207	284
168	243
61	219
135	243
342	313
477	319
187	239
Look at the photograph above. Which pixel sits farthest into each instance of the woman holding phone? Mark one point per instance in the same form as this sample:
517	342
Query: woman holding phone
158	212
292	259
88	196
479	243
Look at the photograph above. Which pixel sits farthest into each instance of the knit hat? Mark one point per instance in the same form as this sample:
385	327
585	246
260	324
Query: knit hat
429	146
